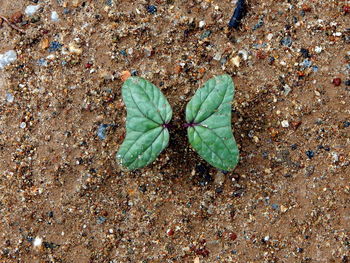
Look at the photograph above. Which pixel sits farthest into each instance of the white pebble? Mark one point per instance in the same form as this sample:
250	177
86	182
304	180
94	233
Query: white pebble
201	24
7	58
285	124
23	125
269	36
38	241
9	97
318	49
31	9
54	16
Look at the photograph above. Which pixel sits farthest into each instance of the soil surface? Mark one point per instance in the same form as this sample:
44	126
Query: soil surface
63	198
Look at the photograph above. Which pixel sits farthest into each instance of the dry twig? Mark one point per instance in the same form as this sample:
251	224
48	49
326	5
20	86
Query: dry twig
11	25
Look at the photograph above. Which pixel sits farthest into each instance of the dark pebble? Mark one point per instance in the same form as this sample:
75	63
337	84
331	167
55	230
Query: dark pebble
305	52
151	9
54	46
336	82
300	250
101	220
271	60
346	124
219	190
286	41
50	245
310	154
50	214
294	146
347	82
142	188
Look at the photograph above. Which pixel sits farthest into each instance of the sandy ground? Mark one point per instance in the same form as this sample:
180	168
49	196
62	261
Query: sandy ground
64	199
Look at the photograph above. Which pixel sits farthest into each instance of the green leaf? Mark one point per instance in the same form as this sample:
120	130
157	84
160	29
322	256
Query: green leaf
148	112
208	116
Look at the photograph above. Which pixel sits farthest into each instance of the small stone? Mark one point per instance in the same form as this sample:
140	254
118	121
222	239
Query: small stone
283	208
170	232
23	125
318	49
201	24
286	41
101	220
54	16
54	46
336	82
232	236
16	17
347	82
44	44
38	242
306	63
125	75
310	154
346	9
275	206
31	9
235	61
285	123
74	49
152	9
305	52
9	97
306	8
7	58
101	131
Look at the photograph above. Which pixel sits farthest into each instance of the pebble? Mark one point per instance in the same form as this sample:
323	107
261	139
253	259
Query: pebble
306	63
125	75
286	41
310	154
201	24
336	81
74	49
152	9
7	58
305	52
285	124
318	49
347	82
9	97
54	46
54	16
23	125
38	242
101	131
16	17
31	9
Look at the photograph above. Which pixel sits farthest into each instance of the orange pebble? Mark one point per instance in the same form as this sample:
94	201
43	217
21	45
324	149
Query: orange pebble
125	75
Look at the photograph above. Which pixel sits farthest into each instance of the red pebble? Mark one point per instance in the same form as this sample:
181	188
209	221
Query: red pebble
233	236
336	81
170	232
88	65
346	9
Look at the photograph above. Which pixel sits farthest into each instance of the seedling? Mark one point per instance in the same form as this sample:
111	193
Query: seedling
208	117
148	114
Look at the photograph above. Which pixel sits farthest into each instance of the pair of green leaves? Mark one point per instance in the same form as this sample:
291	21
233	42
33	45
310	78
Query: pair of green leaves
208	117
